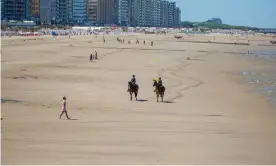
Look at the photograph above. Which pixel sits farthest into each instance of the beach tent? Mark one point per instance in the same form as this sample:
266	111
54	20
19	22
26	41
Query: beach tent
54	33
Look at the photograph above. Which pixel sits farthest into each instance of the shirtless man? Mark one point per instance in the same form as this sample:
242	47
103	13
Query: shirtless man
63	108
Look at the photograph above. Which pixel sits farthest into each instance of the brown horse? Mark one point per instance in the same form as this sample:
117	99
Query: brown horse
133	89
159	90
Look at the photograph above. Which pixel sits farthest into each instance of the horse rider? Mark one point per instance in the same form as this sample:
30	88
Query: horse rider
159	83
155	84
133	81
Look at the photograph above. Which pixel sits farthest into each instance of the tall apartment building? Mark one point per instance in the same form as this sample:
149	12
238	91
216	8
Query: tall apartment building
45	11
134	8
123	12
79	13
149	13
92	11
64	12
53	11
164	10
139	13
130	13
171	8
2	9
34	10
156	13
177	16
107	12
14	9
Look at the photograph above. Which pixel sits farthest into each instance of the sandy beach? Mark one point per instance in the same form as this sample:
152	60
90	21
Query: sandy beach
213	110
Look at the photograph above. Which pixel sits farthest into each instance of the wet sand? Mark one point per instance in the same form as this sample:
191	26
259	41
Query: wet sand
211	113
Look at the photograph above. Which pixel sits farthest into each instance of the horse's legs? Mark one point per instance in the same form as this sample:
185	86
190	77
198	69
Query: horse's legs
130	95
163	93
136	95
157	96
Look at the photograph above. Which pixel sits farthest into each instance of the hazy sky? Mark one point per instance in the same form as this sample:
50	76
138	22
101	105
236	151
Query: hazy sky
257	13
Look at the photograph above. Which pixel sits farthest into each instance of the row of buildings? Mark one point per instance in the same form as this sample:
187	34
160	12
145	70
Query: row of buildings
157	13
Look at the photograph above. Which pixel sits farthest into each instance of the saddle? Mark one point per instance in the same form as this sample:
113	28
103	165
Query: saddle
131	85
159	87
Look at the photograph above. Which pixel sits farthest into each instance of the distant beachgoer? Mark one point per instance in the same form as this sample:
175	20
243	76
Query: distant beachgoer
91	57
63	108
144	42
96	55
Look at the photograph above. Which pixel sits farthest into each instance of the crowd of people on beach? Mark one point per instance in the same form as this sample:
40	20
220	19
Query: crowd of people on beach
122	41
63	32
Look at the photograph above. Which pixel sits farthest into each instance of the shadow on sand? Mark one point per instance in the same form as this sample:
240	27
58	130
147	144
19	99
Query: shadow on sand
73	119
168	102
70	119
142	100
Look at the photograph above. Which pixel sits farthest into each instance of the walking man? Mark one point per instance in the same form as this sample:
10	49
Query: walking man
63	108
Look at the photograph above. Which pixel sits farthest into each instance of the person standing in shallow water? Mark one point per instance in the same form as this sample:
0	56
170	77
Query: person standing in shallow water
63	108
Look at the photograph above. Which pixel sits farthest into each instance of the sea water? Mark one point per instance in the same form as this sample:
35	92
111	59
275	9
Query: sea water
264	82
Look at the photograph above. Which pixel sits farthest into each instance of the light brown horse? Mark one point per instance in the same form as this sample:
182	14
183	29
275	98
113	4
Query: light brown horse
159	90
133	89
